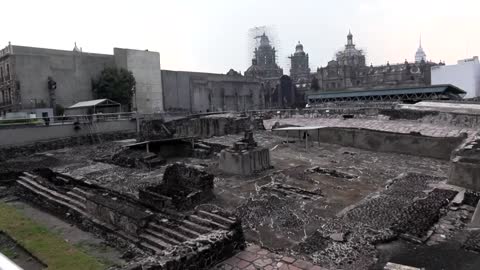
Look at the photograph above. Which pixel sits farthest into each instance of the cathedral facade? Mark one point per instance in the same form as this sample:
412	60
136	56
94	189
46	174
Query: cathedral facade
350	72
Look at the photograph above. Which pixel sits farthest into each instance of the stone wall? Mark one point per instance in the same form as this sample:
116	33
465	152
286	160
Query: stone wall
222	245
201	127
202	92
465	166
244	162
382	141
23	135
9	152
118	212
434	117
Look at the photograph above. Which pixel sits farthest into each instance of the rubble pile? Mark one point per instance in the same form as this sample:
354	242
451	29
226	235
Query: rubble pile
331	172
279	213
473	241
419	216
403	207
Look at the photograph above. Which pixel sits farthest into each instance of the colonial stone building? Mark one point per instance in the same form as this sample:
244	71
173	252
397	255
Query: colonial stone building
210	92
350	72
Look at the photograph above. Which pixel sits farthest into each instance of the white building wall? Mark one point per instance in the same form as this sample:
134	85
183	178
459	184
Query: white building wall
464	75
145	66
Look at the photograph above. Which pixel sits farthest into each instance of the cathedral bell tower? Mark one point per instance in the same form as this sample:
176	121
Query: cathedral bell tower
299	66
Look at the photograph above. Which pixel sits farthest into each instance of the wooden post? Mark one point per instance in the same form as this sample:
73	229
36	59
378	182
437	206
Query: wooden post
148	147
306	140
318	134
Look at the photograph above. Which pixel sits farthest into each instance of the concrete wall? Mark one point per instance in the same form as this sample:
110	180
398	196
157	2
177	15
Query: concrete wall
199	92
381	141
464	75
22	135
73	72
145	67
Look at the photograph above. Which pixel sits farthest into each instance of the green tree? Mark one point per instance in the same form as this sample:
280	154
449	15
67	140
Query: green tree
117	84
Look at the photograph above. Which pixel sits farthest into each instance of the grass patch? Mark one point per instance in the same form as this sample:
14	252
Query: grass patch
43	244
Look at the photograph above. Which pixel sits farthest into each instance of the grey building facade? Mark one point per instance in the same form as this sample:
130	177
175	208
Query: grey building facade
29	69
210	92
350	72
26	74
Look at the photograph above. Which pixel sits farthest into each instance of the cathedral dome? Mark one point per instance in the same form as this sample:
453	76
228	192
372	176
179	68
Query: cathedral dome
264	41
299	49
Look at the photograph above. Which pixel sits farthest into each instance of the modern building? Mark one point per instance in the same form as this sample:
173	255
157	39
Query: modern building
33	78
465	75
350	72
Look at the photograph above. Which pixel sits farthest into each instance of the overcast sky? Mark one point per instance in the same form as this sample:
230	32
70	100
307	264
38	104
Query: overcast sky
212	35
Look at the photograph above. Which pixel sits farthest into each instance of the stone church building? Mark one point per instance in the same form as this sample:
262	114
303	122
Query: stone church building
349	71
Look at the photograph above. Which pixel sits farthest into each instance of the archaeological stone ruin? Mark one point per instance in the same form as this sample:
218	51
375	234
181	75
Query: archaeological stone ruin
387	187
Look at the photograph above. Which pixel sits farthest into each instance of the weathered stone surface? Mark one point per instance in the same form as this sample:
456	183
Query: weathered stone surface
183	187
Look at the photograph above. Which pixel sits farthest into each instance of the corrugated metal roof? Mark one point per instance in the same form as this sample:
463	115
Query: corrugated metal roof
92	103
387	92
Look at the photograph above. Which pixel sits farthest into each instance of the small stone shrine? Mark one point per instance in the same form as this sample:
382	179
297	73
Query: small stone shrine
245	157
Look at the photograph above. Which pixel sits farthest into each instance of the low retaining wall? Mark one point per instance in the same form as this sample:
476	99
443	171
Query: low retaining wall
8	152
465	166
434	117
22	135
382	141
203	127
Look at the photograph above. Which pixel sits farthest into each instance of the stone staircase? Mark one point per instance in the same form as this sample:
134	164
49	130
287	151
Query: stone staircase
162	235
72	201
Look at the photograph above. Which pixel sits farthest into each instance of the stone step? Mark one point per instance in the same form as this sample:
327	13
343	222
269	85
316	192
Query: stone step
37	186
217	218
31	176
188	232
50	197
171	233
81	192
207	222
161	236
196	227
149	247
77	197
80	211
154	241
66	180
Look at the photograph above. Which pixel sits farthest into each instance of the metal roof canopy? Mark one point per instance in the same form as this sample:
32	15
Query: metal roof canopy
298	128
442	88
94	103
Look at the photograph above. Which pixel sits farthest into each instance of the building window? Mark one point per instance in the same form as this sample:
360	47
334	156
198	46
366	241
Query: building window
1	74
8	72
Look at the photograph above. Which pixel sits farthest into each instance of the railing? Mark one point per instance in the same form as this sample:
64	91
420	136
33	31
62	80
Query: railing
68	119
104	117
